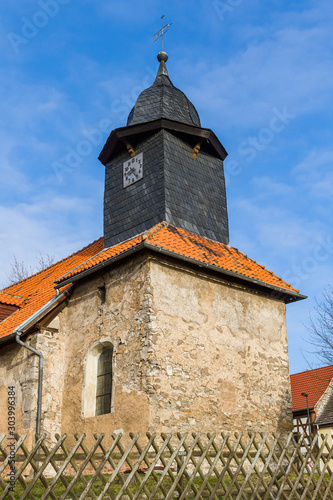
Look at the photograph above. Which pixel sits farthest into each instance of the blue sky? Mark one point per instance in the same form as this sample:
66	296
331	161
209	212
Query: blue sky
260	75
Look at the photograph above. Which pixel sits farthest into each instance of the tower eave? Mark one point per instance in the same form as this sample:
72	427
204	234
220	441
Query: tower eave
120	138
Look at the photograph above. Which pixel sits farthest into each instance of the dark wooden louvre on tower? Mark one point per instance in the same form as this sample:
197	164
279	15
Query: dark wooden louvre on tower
183	178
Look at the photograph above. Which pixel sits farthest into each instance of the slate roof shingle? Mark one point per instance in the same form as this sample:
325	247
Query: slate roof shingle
163	100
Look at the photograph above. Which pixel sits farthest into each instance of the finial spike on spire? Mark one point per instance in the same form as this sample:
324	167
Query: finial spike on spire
162	58
161	32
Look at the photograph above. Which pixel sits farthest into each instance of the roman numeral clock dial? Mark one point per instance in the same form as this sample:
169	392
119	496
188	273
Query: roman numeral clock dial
132	170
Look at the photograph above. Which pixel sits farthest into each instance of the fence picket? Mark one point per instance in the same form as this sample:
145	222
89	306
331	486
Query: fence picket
151	466
92	461
228	466
182	469
39	472
100	467
212	464
252	467
168	463
133	472
79	470
197	467
311	478
290	467
17	473
266	461
326	466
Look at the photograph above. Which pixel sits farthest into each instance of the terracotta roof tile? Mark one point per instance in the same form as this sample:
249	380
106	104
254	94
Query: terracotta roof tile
312	382
181	242
13	300
34	292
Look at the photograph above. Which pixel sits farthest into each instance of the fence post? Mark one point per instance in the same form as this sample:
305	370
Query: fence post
181	481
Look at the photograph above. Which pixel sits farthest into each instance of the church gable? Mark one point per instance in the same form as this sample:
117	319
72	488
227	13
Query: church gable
197	250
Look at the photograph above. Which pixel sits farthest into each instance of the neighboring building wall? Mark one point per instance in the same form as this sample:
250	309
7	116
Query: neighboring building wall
324	399
190	353
322	431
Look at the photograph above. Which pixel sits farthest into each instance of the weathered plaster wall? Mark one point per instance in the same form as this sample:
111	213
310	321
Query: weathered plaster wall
122	320
190	352
220	357
18	369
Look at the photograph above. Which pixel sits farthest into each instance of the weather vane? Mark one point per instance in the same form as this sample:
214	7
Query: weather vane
161	32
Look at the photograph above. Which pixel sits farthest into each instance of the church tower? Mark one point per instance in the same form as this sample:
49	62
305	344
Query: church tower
163	166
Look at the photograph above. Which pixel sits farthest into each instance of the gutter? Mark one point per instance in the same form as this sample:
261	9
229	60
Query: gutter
20	330
294	296
284	291
311	408
99	266
322	424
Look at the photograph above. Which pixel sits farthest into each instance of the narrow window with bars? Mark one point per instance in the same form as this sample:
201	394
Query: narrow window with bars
104	382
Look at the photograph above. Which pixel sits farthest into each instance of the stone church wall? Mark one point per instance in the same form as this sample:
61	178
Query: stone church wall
121	321
220	357
18	369
190	352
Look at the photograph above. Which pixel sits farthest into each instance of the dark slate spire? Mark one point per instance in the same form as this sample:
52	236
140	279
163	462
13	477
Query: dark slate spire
163	100
164	167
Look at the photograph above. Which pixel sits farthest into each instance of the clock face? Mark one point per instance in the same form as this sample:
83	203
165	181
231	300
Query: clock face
132	170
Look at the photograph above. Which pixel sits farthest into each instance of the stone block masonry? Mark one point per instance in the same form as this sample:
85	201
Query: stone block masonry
190	352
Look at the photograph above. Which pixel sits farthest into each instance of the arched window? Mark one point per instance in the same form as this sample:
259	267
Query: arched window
98	381
104	382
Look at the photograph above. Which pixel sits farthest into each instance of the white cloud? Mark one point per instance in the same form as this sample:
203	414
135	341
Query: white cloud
315	174
285	67
49	224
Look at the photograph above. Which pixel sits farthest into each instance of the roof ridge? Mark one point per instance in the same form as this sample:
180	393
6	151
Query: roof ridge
84	262
49	267
145	235
12	295
154	230
312	370
261	265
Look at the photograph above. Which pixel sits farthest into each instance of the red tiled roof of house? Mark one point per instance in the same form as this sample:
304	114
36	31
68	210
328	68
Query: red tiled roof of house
312	382
34	292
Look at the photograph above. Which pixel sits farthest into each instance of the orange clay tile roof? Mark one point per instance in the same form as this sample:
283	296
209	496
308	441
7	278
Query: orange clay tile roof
312	382
34	292
183	243
11	300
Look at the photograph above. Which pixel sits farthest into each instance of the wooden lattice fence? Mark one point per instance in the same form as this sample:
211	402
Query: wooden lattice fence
200	466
